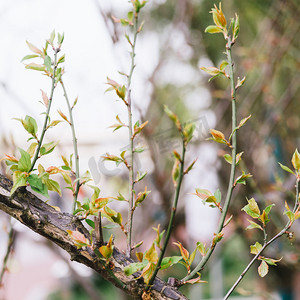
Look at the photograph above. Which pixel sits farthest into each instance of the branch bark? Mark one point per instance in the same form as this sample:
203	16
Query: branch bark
53	225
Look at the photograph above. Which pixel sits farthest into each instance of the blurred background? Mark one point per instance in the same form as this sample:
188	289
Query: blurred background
170	50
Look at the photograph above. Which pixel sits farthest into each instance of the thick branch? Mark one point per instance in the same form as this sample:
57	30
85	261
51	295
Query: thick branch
53	225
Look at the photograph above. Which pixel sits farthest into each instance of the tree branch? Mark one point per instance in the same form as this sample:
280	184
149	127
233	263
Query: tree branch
53	225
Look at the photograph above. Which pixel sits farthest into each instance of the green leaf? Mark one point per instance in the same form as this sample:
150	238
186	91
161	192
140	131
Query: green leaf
218	136
285	168
296	160
60	38
254	225
170	261
139	176
218	195
290	215
36	67
212	29
240	82
252	209
47	63
236	27
242	178
268	208
29	57
201	248
244	121
130	15
254	249
90	223
141	197
107	250
52	37
31	148
37	185
223	65
173	117
263	269
213	71
271	261
135	267
19	179
151	254
61	60
264	218
228	158
188	132
24	163
48	148
53	185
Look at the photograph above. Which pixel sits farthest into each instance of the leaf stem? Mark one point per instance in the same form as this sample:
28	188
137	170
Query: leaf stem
265	245
131	150
75	146
173	212
230	188
36	156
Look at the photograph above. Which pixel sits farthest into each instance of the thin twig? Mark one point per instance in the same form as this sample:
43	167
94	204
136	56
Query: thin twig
10	242
265	245
75	146
173	212
53	86
131	150
204	260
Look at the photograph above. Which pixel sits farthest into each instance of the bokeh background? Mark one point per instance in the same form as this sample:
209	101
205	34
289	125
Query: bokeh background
170	51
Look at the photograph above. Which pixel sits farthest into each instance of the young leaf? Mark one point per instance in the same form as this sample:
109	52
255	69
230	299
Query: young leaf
184	253
34	48
29	57
79	239
296	160
240	82
285	168
218	136
253	225
244	121
201	248
151	255
53	185
173	117
252	209
90	223
48	148
45	98
107	250
236	27
195	280
37	185
254	249
47	63
190	167
19	179
24	163
242	178
168	262
263	269
141	197
218	16
212	29
134	267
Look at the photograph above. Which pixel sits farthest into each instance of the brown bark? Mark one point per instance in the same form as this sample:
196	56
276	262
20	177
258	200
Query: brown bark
53	225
